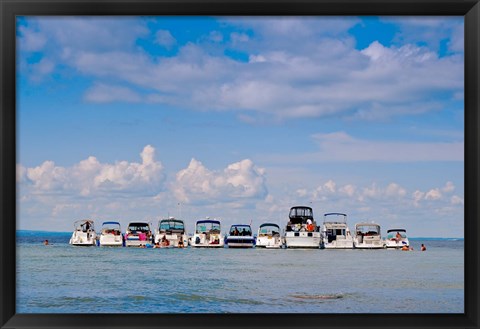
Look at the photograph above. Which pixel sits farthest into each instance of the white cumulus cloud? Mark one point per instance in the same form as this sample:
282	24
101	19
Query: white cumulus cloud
242	180
91	177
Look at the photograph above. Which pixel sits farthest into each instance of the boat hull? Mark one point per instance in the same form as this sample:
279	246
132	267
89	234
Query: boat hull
396	245
269	242
111	241
240	242
135	241
207	241
302	240
173	239
86	239
369	243
339	244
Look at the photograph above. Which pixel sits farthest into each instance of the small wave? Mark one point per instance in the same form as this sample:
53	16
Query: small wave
322	296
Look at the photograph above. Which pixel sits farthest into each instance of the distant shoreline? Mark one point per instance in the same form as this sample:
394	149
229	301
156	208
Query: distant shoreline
28	232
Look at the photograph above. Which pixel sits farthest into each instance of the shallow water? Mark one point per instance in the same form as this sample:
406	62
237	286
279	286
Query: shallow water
64	279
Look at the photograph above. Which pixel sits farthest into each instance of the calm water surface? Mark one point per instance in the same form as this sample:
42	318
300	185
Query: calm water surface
64	279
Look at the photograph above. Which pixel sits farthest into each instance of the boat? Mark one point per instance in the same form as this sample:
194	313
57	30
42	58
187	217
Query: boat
368	236
84	233
207	234
397	238
268	236
240	236
173	230
301	230
138	234
335	232
111	235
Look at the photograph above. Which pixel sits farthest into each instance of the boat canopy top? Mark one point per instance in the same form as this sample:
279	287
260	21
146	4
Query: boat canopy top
205	226
84	224
269	229
367	228
338	214
111	223
270	224
300	214
396	230
393	234
171	224
208	221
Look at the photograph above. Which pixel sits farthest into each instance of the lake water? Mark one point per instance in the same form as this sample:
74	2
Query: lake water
60	278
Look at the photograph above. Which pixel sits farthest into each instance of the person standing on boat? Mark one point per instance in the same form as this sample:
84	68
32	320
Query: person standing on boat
398	236
309	225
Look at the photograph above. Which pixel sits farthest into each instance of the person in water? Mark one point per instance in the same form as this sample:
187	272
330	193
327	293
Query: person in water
45	242
423	248
165	242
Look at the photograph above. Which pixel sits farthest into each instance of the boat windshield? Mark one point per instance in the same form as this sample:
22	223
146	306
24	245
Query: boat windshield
368	229
172	224
241	230
269	229
208	227
111	227
139	227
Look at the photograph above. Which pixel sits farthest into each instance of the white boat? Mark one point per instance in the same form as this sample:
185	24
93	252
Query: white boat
173	230
269	236
397	238
368	236
138	234
84	233
240	236
207	234
335	232
302	231
111	235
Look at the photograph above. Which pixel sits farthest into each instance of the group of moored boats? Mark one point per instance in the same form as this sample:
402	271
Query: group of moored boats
301	231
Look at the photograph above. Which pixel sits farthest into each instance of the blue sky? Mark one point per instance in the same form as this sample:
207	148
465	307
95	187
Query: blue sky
240	118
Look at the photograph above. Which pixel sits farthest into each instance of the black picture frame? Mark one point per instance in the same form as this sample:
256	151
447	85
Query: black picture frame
470	9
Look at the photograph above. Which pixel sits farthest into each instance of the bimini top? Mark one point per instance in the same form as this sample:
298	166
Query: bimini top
114	223
269	224
396	230
208	221
83	221
301	211
334	214
138	224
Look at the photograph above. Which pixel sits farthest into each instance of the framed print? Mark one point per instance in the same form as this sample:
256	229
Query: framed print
239	164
